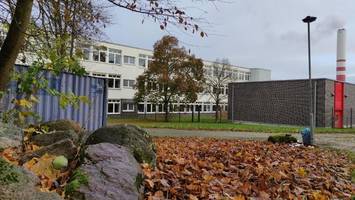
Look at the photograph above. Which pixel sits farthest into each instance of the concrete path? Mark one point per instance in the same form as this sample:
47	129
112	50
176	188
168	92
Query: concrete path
339	141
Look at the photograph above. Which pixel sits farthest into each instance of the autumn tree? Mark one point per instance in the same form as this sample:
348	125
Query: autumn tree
217	81
173	74
18	13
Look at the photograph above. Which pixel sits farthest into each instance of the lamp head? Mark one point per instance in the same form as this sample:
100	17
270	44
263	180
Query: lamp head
309	19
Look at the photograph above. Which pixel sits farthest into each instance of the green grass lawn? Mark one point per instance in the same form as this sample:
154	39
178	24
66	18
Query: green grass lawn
208	123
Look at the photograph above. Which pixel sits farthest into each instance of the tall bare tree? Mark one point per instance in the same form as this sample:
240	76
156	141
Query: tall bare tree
217	81
173	74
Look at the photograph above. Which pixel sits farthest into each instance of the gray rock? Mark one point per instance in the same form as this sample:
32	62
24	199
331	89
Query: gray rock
63	125
18	184
64	147
112	173
10	136
53	137
137	140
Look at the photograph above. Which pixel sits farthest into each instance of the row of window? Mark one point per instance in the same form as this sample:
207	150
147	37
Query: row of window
113	56
114	80
114	107
223	90
233	74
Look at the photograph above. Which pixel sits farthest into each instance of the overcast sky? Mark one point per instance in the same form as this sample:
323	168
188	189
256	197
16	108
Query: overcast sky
256	33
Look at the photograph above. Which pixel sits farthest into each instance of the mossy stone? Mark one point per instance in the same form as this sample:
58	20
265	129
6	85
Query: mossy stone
137	140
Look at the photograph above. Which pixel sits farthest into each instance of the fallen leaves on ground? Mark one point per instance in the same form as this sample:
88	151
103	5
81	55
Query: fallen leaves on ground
201	168
50	178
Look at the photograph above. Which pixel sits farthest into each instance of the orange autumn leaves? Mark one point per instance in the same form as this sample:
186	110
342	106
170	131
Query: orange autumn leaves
195	168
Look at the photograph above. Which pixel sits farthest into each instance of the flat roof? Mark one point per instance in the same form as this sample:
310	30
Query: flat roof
314	79
129	46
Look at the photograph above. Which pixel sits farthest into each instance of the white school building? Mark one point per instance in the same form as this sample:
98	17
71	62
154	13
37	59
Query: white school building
122	64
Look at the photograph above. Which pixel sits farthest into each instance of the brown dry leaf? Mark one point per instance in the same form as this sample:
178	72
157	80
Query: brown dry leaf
10	154
218	169
192	197
207	178
150	183
319	196
43	167
159	194
239	197
302	172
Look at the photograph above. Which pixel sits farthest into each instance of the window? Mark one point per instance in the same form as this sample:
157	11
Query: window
247	76
114	56
142	60
128	83
95	54
128	107
235	75
99	54
113	106
97	74
141	107
149	107
129	60
206	107
102	56
86	52
215	71
114	81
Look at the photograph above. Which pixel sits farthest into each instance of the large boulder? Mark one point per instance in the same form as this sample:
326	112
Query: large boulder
137	140
53	137
64	147
10	136
109	172
18	184
62	125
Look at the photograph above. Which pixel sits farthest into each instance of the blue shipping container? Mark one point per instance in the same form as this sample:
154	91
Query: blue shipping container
91	116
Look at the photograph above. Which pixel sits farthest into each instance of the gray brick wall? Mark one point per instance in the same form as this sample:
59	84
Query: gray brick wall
349	104
287	102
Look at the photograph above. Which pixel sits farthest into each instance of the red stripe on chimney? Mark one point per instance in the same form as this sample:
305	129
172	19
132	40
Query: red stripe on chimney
341	68
340	77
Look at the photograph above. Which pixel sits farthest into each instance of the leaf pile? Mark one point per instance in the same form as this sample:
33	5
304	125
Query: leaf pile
50	178
201	168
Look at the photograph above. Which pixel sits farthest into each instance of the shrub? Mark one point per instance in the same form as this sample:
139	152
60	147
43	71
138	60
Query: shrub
282	139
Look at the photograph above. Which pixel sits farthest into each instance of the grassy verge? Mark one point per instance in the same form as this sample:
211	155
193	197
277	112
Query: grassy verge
207	123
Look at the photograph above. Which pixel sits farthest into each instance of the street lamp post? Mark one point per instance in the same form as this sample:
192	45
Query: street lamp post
309	20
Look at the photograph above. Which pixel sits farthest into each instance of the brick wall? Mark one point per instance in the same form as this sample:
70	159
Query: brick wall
275	102
349	104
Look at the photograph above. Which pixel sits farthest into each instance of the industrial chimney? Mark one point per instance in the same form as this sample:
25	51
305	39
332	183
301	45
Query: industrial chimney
339	84
341	55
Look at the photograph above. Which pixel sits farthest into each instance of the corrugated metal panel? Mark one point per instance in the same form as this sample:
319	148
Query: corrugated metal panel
91	116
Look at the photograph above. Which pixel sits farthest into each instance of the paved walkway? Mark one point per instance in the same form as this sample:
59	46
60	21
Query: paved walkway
339	141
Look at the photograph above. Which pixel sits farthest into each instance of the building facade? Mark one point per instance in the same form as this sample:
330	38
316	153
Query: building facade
122	64
288	102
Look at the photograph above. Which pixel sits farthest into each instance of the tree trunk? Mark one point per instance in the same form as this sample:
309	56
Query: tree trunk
14	40
166	104
216	113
